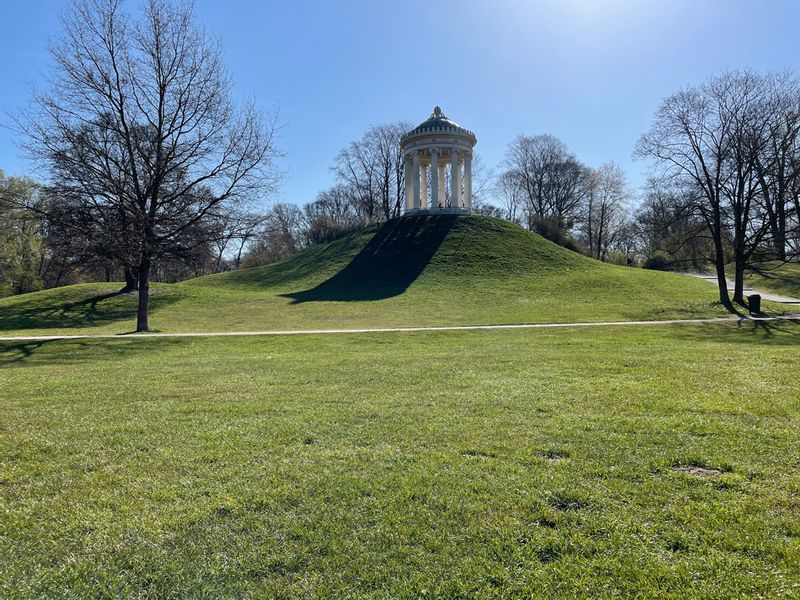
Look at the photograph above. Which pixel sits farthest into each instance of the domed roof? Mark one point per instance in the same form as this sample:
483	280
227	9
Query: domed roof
438	122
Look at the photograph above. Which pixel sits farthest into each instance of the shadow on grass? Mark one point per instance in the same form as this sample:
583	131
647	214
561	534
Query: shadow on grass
104	308
783	333
392	260
784	278
42	353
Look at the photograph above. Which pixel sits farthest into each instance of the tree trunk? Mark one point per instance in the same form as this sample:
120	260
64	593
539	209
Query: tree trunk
131	281
144	295
719	262
739	261
722	282
738	288
780	234
239	253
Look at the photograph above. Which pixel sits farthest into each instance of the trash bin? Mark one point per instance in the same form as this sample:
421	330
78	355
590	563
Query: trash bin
754	303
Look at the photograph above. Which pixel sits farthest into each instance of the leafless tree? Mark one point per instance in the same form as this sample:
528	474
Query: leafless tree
231	232
509	192
281	235
708	138
550	176
333	214
139	122
483	180
607	196
373	168
668	226
744	99
777	166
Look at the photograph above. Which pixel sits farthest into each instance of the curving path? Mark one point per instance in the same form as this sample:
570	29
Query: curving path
100	336
768	296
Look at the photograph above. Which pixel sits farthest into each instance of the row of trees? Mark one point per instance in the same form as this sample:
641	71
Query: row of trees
727	170
725	187
544	187
45	242
288	228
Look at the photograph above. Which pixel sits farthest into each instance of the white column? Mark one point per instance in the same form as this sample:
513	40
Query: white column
442	195
415	178
434	178
455	180
423	187
409	184
468	180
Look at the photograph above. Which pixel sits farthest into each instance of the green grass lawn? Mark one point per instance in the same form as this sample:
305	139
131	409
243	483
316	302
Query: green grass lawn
489	464
780	278
416	271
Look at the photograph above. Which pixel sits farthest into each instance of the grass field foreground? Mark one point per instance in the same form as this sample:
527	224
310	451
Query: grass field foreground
647	462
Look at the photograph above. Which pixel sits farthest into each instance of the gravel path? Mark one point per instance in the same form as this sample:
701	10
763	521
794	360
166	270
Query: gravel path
768	296
101	336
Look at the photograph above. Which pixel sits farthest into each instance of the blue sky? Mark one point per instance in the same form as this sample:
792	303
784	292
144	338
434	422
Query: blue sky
591	72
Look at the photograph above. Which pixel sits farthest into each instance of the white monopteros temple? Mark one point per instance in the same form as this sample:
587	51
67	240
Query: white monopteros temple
427	150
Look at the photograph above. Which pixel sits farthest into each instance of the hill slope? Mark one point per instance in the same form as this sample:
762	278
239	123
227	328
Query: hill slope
412	271
780	278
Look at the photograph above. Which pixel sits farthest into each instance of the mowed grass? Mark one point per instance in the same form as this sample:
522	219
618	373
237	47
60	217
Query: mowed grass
780	278
484	464
407	272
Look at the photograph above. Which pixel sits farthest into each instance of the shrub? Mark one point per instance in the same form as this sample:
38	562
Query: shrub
657	262
555	231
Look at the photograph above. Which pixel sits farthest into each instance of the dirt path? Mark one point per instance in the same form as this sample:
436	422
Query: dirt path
768	296
100	336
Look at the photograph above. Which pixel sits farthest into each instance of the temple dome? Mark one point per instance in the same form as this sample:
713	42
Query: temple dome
438	122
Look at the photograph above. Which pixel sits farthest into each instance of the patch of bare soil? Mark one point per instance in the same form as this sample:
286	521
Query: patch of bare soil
697	470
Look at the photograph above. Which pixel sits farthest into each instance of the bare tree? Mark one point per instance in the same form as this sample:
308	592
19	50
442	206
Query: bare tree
509	191
385	139
777	167
732	140
550	176
668	226
231	232
357	168
607	195
373	168
743	98
333	214
281	235
690	140
139	122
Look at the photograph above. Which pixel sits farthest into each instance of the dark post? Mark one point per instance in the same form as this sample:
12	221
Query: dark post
754	303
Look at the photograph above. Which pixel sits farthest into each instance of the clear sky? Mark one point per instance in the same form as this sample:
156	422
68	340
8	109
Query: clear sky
591	72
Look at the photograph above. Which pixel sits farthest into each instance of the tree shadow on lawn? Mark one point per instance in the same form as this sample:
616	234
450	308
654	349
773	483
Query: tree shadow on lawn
780	279
392	260
43	353
782	333
105	308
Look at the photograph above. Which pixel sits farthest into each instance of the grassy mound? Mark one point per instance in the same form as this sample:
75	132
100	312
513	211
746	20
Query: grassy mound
440	270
